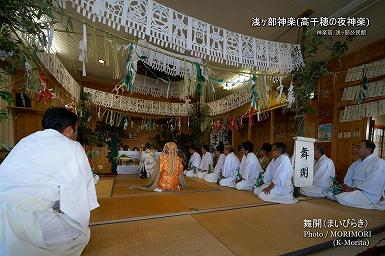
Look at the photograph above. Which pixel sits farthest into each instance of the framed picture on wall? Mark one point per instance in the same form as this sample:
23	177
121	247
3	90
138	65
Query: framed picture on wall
325	132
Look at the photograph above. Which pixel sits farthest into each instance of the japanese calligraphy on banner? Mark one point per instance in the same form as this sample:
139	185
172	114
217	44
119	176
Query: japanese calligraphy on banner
303	161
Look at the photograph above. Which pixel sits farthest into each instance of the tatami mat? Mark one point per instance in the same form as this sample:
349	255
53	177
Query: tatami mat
172	236
124	207
278	229
130	203
104	187
211	221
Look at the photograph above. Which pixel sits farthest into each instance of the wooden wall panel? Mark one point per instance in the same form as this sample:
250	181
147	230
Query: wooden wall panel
26	123
331	88
345	136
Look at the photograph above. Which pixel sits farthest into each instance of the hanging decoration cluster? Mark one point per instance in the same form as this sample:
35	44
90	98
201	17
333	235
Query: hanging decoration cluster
45	95
170	28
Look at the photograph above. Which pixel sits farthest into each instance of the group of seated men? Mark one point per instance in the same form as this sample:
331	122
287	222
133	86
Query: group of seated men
269	174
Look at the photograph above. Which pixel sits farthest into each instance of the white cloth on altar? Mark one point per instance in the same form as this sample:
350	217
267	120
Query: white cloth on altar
324	170
369	176
230	170
42	168
205	165
213	177
280	172
193	165
249	170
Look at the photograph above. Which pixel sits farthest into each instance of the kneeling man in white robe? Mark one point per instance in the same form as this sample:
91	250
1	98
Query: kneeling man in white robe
193	163
230	168
214	176
324	171
364	183
47	191
206	165
250	168
277	186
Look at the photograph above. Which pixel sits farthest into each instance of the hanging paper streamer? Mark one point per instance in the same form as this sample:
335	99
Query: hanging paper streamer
280	88
254	93
169	28
199	79
115	61
290	95
50	31
131	68
83	49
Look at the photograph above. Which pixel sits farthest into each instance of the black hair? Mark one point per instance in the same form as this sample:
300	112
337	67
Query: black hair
280	146
136	148
192	147
220	148
230	148
370	144
59	118
266	147
147	146
247	145
206	147
320	149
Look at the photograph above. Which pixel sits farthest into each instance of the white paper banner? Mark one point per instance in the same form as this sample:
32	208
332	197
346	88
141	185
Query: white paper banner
303	161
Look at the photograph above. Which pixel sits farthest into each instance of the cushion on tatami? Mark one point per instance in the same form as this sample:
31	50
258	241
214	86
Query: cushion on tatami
177	236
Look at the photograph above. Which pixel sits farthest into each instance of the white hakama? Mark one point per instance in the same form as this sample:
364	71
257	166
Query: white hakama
213	177
323	172
193	165
230	170
367	175
44	168
206	165
250	172
280	172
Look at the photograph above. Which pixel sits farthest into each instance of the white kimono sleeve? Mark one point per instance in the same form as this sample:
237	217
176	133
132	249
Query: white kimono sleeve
325	170
78	186
375	181
283	172
220	163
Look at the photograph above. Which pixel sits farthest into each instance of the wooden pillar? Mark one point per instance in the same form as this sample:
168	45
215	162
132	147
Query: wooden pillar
272	126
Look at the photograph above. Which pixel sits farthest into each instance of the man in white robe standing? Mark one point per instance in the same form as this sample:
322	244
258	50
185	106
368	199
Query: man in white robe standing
214	176
324	171
206	165
230	168
364	182
277	186
193	163
250	168
47	191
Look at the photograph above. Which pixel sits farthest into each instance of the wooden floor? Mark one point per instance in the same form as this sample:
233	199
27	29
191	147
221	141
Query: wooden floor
206	219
